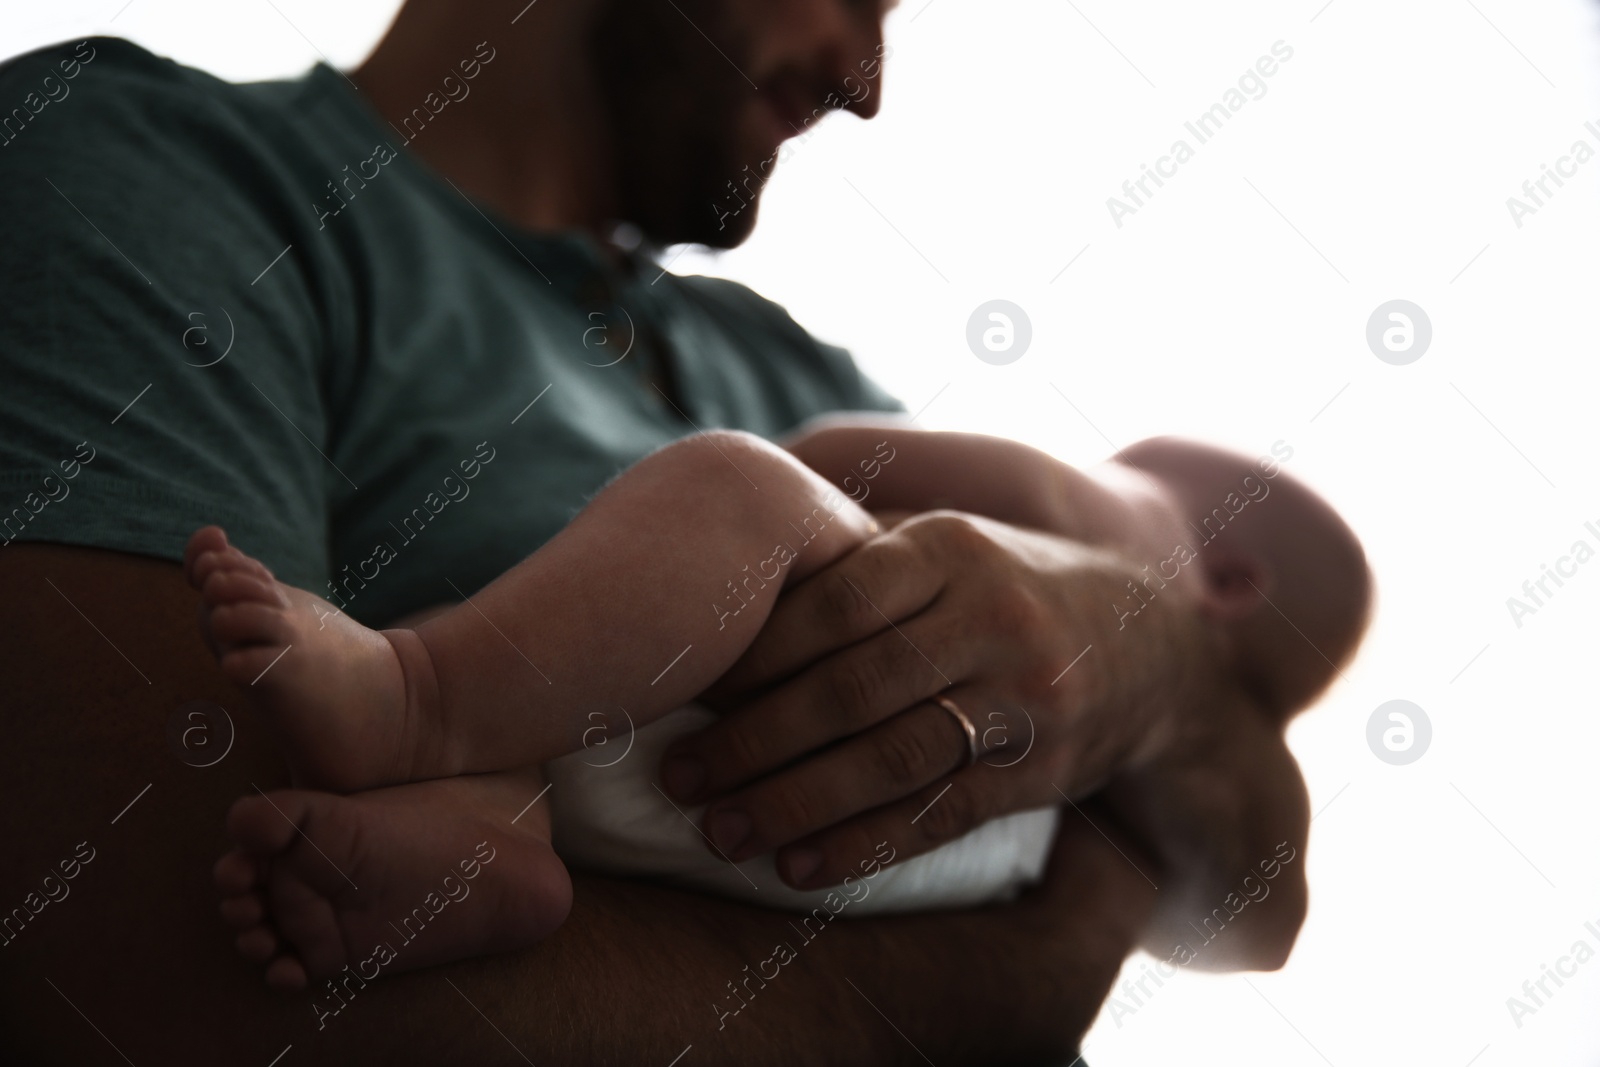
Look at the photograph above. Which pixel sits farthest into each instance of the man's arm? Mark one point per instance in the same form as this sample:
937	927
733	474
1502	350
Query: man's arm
128	958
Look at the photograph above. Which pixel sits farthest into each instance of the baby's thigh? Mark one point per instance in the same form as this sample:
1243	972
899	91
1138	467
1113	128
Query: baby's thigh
731	459
747	493
416	618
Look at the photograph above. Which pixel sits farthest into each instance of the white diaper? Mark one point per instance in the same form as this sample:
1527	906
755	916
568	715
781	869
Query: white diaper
614	820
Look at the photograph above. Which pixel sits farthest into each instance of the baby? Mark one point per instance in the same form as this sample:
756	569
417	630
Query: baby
470	704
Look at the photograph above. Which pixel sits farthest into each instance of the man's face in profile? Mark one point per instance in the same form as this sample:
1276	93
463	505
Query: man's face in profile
700	94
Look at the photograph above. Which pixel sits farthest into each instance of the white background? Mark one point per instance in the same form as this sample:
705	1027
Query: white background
1233	306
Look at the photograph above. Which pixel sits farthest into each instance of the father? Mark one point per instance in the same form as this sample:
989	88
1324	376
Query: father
370	325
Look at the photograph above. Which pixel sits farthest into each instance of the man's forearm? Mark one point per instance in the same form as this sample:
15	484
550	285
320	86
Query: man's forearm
137	958
640	973
637	975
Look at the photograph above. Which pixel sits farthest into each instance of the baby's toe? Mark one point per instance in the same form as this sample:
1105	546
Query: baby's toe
258	944
245	666
242	912
230	585
237	559
236	873
206	539
265	823
307	921
249	623
204	565
286	973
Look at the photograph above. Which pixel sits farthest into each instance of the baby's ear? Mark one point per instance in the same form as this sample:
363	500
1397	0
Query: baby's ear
1237	583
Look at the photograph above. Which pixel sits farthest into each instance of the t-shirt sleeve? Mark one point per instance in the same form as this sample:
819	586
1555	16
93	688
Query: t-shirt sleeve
830	380
862	393
160	346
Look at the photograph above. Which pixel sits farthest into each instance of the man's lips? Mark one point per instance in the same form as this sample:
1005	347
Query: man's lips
785	113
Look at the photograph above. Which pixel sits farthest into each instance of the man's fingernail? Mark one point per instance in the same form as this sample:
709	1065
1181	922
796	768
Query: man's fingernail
728	829
801	863
684	777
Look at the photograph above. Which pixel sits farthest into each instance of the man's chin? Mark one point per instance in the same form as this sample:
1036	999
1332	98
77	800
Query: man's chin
719	226
731	231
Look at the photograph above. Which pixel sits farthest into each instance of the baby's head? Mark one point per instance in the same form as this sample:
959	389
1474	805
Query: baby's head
1283	575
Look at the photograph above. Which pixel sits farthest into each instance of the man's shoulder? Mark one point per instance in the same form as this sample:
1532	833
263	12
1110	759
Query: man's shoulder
67	59
731	298
122	72
770	333
772	337
117	99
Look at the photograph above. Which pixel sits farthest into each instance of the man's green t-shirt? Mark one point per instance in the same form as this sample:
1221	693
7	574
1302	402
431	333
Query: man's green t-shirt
251	305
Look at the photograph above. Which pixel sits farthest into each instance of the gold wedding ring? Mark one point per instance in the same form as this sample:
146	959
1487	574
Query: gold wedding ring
966	727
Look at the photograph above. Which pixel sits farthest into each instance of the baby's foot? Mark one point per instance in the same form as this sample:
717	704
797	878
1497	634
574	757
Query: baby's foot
333	691
390	880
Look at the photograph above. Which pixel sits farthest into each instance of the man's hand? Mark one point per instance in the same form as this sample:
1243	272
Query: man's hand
1017	627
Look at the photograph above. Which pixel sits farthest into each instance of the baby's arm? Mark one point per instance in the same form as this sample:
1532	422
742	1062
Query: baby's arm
1162	502
890	467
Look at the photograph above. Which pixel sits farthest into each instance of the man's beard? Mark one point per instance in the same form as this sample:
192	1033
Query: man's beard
675	109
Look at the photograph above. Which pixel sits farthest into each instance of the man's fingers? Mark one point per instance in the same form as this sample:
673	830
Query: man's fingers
885	581
845	694
920	745
934	815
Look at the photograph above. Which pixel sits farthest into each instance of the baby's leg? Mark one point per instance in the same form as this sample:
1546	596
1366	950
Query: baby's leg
646	598
391	880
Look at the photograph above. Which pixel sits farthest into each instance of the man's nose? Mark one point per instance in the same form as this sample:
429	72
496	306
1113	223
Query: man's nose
851	52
